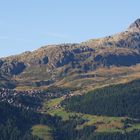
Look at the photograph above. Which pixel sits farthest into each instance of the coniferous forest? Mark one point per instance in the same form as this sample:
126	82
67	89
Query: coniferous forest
117	100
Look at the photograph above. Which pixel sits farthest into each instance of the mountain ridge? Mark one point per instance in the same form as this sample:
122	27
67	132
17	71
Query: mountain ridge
56	62
134	27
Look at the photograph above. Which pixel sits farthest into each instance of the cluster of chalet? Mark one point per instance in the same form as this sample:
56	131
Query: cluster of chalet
7	93
11	96
66	96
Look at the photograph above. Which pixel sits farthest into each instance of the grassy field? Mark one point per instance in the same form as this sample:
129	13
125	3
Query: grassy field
102	123
52	103
42	131
50	107
135	126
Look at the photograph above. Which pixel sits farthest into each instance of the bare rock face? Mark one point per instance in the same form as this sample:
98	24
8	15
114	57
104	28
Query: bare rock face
70	55
135	27
1	62
12	68
117	60
65	59
44	60
38	60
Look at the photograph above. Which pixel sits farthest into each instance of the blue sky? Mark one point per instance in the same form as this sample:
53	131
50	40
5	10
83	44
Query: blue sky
29	24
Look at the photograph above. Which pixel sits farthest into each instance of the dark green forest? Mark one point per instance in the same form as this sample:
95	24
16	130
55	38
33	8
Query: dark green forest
15	123
117	100
17	127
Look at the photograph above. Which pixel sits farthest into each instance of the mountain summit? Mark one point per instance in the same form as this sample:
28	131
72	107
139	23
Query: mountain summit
71	64
135	27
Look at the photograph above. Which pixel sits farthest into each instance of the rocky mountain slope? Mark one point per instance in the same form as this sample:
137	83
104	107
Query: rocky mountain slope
78	64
